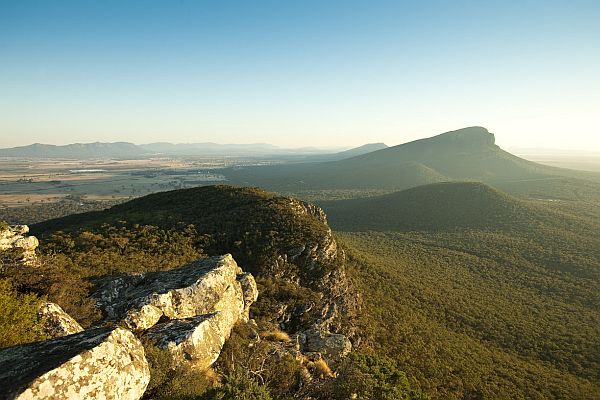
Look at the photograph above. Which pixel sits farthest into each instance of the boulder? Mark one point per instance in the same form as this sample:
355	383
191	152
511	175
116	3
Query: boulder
198	288
55	321
13	238
331	345
102	363
250	293
200	339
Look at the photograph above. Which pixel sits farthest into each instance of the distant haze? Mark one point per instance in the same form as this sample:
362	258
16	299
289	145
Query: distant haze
296	74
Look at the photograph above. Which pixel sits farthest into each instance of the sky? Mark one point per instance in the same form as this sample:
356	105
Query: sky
299	73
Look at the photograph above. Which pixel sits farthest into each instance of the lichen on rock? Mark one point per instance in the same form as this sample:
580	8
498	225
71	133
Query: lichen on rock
13	238
55	322
140	301
331	345
107	363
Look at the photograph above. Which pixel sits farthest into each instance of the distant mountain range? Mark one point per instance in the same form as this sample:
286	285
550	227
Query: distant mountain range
131	150
76	150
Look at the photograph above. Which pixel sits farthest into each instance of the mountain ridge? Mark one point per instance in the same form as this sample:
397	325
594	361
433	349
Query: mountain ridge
467	154
128	149
436	206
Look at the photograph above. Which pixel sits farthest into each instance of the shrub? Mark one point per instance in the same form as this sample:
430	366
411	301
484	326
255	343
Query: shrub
263	360
169	380
238	386
372	377
322	369
18	316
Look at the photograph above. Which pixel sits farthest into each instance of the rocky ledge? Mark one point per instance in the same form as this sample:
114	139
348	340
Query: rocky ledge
189	312
55	322
201	287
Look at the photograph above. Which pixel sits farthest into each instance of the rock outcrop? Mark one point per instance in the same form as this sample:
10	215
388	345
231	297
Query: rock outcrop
13	238
332	346
198	288
198	339
324	270
55	322
101	363
189	311
201	338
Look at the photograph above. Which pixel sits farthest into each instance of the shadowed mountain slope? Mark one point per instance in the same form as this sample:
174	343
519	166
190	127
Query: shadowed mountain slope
358	151
431	207
451	206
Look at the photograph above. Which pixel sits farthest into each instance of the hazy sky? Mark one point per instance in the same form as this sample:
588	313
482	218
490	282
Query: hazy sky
297	73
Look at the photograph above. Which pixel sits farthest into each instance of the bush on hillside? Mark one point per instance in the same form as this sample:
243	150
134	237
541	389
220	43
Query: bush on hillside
373	377
18	316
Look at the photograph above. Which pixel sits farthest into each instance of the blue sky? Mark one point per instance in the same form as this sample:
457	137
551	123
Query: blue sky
297	73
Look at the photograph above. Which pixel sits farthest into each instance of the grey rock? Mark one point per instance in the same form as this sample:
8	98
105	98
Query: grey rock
140	301
250	293
102	363
198	340
13	238
55	322
331	345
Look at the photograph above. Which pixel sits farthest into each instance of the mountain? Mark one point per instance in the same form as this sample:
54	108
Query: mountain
461	273
357	151
468	154
76	150
171	269
125	149
268	235
341	155
449	206
435	206
211	149
468	290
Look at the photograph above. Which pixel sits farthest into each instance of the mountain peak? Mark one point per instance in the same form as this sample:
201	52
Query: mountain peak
473	135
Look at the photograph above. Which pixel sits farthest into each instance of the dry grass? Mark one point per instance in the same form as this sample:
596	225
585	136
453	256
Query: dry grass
276	336
322	369
212	377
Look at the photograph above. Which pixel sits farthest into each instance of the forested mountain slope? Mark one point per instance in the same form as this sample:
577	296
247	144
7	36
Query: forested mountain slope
470	285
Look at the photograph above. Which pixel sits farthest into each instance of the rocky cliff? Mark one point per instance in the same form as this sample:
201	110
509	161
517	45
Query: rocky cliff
307	300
